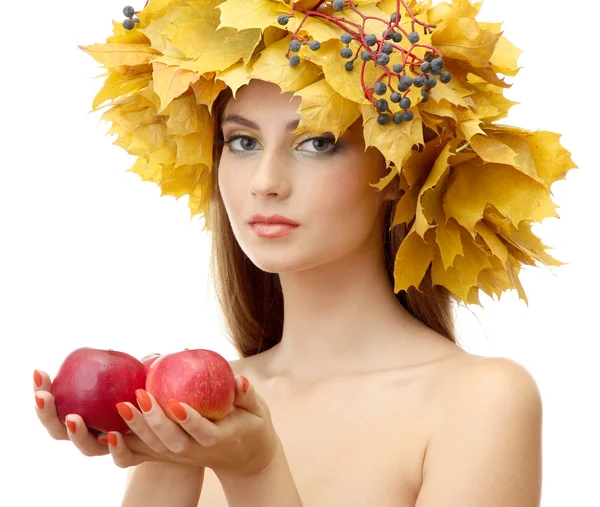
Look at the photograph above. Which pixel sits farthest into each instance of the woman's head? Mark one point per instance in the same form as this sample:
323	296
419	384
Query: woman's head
305	177
273	171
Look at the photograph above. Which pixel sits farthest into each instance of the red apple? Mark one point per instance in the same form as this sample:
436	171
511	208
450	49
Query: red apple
200	378
90	382
149	359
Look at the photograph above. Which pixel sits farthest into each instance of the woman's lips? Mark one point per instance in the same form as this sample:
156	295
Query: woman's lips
265	230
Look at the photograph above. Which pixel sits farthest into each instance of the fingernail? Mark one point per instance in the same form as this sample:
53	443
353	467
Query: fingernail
112	440
125	411
37	378
40	402
103	441
178	410
245	384
71	425
143	400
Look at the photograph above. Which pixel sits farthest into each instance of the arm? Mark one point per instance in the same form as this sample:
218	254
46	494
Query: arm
153	484
273	487
488	450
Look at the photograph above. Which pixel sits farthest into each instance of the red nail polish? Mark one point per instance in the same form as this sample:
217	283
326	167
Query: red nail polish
39	402
143	400
37	378
112	440
245	384
71	425
125	411
177	409
103	441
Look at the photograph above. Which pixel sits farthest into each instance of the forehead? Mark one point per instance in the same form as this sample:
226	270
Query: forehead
261	98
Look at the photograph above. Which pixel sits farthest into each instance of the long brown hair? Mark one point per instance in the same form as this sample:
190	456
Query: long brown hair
252	299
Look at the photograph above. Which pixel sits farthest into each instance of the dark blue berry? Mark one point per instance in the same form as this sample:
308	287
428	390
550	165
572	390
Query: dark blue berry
406	81
349	65
346	53
395	97
386	35
380	88
383	119
383	59
371	39
295	46
381	105
397	37
445	77
394	17
408	115
128	24
346	38
387	49
315	45
294	60
135	19
414	37
437	64
405	103
129	11
397	68
398	118
425	96
365	56
419	81
282	19
338	5
430	82
426	66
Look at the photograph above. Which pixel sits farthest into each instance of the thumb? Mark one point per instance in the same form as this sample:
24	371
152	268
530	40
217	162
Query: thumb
247	398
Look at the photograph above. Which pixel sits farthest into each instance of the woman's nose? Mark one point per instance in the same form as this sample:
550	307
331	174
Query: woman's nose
271	177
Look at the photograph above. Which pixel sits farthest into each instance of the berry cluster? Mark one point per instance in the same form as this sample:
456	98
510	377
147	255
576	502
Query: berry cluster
378	51
131	18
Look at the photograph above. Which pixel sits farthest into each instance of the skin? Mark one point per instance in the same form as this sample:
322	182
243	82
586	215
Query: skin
336	289
394	400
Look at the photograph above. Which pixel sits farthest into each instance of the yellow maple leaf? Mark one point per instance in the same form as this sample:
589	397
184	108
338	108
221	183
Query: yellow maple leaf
206	91
273	66
170	82
241	14
514	194
323	109
111	55
412	260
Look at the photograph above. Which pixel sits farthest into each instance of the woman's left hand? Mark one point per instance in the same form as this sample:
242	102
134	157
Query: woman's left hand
243	443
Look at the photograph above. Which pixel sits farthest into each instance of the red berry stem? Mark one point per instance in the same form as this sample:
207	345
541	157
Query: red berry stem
408	57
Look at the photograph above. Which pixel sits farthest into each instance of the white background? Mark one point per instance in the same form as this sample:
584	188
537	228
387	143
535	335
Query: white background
90	256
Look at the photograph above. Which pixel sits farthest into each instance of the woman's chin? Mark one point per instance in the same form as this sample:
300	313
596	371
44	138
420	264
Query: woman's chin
276	262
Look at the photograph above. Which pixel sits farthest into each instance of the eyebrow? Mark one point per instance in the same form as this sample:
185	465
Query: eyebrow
241	120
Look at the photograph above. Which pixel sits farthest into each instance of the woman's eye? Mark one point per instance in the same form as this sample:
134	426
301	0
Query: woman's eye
319	144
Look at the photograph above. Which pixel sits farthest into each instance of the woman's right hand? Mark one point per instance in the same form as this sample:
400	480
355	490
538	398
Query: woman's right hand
77	431
127	450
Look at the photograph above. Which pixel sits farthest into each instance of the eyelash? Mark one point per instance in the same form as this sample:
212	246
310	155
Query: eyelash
229	139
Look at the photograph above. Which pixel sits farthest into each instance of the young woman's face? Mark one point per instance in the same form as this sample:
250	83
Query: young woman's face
321	186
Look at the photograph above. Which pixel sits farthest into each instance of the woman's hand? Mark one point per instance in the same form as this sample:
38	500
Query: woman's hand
243	443
75	429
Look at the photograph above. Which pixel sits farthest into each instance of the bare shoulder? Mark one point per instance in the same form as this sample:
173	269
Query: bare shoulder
479	376
490	414
466	381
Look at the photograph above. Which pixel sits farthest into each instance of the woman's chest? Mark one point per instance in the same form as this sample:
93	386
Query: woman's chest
358	446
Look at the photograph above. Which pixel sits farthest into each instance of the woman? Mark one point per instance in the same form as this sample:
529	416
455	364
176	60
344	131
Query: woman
359	393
